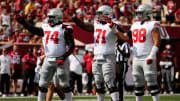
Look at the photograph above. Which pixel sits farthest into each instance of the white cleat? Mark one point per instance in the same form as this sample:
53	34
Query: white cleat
22	95
171	92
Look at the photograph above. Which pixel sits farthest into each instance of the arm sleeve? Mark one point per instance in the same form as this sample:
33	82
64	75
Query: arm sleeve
30	28
129	33
69	40
86	26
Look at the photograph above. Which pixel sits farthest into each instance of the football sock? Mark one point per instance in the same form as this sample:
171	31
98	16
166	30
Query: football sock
100	97
115	96
68	96
41	96
156	97
139	98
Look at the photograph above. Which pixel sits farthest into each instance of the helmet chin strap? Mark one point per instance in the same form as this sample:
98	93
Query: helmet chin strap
52	25
147	19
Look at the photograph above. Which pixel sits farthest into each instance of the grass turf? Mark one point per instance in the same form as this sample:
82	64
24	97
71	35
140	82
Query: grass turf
175	97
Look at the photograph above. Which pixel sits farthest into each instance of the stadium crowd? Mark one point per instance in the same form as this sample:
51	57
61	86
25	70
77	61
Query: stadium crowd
34	11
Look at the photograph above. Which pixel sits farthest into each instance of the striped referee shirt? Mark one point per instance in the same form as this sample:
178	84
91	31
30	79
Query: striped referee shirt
123	53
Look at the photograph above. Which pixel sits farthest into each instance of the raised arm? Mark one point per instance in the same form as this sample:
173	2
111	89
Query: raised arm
86	26
121	34
29	27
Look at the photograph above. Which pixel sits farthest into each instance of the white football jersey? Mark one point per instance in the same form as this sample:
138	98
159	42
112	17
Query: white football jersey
53	40
142	38
104	39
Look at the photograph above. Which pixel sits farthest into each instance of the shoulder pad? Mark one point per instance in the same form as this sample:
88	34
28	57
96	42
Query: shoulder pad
67	26
117	23
157	23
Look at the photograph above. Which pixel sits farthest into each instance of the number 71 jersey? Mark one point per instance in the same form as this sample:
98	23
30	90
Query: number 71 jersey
53	40
142	38
104	39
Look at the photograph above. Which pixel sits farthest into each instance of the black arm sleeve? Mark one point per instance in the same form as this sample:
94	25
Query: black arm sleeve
78	22
129	33
69	40
86	26
29	27
120	29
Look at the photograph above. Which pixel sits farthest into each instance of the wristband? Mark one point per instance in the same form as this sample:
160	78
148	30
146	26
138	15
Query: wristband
153	51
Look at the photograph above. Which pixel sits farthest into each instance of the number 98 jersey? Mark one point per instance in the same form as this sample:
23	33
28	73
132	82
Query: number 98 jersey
104	39
53	40
142	38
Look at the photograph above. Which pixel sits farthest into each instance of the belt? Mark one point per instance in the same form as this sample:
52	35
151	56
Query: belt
53	58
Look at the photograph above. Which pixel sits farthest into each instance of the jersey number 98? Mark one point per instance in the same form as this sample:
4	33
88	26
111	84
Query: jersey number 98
139	35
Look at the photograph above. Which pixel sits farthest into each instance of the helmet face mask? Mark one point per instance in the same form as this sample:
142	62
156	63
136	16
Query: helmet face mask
143	12
54	16
104	13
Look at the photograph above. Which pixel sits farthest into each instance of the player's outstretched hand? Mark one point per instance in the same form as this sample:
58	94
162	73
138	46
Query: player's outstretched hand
112	24
60	62
149	61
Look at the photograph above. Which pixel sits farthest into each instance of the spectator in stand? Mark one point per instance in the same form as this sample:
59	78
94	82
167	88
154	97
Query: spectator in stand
29	18
20	38
167	63
171	7
13	6
135	4
4	32
116	10
126	8
5	5
157	10
177	15
76	65
29	7
16	68
29	72
88	18
5	62
88	61
26	35
19	5
5	19
15	35
47	5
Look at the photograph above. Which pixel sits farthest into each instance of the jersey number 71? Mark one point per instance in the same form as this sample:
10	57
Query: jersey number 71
100	34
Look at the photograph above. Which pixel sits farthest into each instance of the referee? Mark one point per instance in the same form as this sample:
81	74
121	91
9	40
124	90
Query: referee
122	56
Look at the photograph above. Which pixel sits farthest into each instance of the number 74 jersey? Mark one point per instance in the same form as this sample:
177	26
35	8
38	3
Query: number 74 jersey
53	40
142	38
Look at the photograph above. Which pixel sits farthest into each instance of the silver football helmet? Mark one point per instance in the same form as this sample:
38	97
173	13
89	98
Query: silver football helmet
55	16
143	12
104	13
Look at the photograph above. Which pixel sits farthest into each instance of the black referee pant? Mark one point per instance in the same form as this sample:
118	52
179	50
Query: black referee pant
5	79
28	75
76	77
121	69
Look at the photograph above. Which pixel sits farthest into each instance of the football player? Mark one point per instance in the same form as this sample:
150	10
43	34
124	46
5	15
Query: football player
56	36
106	32
146	40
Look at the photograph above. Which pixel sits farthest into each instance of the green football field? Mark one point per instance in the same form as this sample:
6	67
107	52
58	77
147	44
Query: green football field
174	97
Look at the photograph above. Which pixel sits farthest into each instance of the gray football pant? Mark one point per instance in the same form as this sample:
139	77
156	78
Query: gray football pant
142	71
104	71
166	78
49	68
